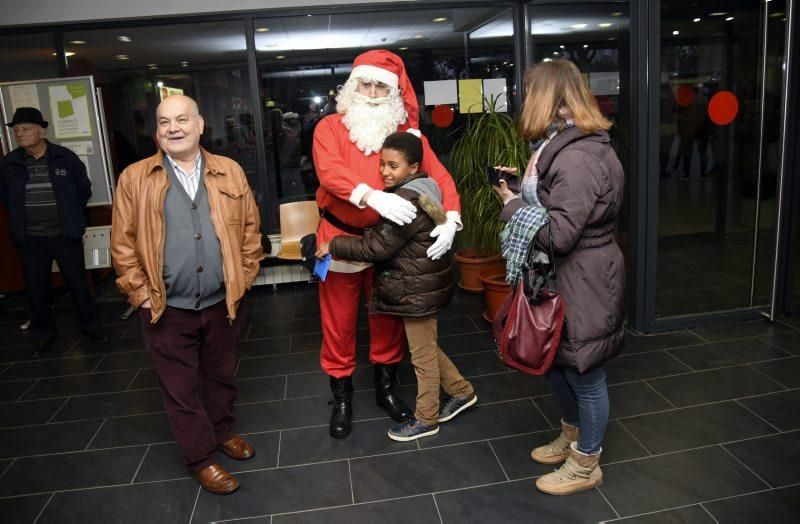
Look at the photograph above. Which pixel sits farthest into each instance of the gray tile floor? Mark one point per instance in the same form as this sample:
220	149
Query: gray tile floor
705	428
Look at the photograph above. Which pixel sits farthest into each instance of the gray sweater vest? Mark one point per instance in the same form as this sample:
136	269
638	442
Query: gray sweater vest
192	271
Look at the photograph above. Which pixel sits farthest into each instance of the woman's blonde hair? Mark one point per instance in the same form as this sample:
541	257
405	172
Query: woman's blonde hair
551	87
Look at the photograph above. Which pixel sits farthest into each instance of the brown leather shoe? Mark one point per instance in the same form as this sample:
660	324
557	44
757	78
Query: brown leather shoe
215	479
237	448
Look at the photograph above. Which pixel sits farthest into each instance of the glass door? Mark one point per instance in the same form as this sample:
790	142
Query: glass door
721	83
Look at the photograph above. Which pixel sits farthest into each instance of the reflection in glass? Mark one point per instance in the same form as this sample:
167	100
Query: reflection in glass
718	165
303	59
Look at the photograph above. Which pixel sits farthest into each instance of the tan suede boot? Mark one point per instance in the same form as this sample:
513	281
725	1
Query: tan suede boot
579	472
558	450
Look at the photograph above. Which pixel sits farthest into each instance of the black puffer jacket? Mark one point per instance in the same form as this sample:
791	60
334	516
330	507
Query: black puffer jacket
407	283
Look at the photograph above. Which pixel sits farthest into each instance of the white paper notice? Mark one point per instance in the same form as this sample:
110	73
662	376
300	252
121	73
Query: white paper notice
495	89
80	148
604	83
441	92
69	110
23	96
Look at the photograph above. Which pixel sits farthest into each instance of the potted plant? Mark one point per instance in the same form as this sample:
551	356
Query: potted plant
490	138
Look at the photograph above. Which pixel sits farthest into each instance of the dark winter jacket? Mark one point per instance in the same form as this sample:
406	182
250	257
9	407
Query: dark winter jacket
581	182
407	283
71	187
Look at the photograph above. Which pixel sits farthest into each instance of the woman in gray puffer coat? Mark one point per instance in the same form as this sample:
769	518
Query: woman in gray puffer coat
574	174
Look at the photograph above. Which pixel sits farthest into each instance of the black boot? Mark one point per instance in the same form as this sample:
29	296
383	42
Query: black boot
342	389
384	393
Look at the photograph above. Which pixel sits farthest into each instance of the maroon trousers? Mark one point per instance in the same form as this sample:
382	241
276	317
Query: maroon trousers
191	349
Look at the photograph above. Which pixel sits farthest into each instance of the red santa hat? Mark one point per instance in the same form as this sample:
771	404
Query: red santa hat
387	67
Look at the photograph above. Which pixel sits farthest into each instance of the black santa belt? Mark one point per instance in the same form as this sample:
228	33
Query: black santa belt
344	226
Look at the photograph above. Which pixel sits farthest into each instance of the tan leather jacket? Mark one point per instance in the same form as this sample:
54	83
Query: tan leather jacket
138	230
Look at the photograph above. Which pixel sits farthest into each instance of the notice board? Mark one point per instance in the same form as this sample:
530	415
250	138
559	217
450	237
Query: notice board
71	107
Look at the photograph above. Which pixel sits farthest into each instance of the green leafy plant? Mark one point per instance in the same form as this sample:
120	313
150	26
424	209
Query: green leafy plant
490	138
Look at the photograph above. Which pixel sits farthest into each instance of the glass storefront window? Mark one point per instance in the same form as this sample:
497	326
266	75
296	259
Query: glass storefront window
303	59
718	154
135	67
595	37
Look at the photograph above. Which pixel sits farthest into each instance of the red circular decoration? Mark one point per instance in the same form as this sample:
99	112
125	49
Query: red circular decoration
723	107
442	115
684	95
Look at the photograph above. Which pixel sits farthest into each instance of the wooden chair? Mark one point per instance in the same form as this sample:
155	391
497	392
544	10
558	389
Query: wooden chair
298	219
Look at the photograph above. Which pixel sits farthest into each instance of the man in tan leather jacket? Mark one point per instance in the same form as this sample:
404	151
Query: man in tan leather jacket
186	245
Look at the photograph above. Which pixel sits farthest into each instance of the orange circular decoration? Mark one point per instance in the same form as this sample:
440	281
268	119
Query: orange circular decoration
723	107
684	95
442	115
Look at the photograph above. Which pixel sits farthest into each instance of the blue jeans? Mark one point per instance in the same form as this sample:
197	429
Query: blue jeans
584	403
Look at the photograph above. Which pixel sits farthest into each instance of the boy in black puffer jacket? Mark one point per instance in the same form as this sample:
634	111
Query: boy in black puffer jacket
411	285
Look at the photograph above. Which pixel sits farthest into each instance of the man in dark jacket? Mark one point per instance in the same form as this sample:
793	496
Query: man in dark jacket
45	188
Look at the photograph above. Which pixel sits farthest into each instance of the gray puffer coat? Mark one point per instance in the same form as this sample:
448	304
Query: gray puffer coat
407	283
581	182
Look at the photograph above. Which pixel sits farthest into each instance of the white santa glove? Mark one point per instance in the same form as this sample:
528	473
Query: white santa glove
446	233
392	207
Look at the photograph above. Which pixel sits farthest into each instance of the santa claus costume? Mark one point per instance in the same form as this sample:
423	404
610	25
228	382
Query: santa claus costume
347	160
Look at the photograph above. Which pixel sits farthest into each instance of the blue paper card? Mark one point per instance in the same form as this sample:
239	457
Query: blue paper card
321	267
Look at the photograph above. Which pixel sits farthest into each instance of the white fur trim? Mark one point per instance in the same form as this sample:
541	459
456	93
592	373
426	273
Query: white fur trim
455	216
358	195
416	132
374	73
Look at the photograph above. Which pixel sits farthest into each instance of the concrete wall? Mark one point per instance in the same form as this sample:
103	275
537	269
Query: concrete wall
41	12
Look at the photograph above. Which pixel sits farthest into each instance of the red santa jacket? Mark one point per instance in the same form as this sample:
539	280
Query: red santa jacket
340	167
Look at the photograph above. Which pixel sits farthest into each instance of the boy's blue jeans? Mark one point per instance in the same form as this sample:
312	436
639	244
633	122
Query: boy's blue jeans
584	403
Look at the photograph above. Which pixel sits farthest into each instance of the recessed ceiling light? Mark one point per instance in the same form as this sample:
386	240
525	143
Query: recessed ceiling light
695	20
676	33
719	13
122	57
77	42
308	16
402	49
419	37
66	53
152	67
123	38
729	19
262	29
607	24
281	57
585	46
561	46
546	60
578	26
618	13
440	19
184	65
556	53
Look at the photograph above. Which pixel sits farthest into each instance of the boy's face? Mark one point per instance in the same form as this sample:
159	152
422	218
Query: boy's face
395	168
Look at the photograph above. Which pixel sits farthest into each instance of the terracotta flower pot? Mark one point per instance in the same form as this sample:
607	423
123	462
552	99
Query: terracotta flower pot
495	289
470	264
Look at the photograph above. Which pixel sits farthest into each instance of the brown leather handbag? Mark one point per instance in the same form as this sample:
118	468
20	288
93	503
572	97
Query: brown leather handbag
528	326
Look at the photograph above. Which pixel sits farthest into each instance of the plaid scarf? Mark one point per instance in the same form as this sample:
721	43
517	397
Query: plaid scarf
519	232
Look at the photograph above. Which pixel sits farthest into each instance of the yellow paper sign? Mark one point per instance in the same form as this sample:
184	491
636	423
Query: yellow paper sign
470	96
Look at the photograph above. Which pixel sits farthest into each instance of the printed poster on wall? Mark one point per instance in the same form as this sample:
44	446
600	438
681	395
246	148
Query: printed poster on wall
23	95
69	110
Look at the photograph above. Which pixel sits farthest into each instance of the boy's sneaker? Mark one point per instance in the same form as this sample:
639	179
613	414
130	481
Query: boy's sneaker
412	429
455	405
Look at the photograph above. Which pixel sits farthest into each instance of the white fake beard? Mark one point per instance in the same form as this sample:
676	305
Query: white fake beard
371	120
